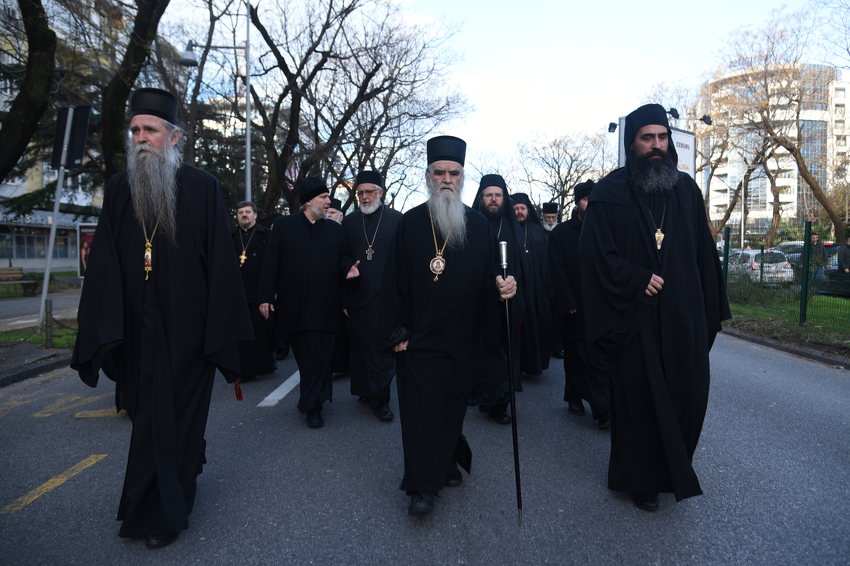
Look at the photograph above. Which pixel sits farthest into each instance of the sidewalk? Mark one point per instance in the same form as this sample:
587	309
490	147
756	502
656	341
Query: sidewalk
22	360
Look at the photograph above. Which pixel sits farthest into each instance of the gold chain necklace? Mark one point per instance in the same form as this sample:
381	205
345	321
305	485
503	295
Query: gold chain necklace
525	243
148	245
438	264
659	235
244	255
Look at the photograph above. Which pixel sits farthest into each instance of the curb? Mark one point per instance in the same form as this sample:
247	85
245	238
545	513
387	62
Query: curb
25	372
807	353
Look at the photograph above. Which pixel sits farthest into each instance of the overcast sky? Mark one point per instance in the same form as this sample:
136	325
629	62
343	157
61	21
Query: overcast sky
557	67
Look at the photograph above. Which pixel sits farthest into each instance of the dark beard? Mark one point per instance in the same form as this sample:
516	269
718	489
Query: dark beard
654	177
486	212
153	188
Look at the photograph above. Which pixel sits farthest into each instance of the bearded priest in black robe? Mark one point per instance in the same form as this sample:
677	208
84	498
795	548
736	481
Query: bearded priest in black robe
369	231
307	260
440	289
491	392
163	307
536	332
654	293
250	241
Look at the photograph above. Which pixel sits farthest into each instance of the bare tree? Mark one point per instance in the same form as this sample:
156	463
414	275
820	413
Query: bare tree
774	92
36	60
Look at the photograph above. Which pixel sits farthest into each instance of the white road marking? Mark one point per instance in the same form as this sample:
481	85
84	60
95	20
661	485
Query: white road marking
279	393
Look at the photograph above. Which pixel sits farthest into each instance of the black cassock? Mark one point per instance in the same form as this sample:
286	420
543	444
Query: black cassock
161	340
443	320
305	265
491	386
658	346
257	356
536	332
371	370
586	377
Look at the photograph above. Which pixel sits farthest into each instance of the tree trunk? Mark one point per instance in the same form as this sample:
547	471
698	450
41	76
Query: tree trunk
116	93
34	96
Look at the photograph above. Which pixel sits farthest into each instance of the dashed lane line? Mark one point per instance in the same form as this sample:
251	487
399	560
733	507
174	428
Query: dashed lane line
52	484
279	393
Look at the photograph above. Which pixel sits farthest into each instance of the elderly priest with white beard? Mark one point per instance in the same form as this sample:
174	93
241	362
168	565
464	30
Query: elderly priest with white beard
441	281
163	307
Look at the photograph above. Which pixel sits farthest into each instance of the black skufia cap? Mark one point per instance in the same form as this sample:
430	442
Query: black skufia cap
336	204
372	177
156	102
310	188
446	148
582	190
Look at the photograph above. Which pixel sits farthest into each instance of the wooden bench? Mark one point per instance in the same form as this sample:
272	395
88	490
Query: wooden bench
15	276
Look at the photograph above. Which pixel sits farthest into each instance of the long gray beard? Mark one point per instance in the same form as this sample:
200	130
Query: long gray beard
654	177
153	187
367	210
449	213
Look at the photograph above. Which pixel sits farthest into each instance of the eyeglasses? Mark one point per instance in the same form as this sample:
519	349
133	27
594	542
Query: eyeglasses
361	194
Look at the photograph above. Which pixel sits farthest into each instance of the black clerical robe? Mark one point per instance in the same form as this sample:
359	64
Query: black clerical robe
657	346
257	356
536	331
371	369
160	338
443	320
304	266
585	377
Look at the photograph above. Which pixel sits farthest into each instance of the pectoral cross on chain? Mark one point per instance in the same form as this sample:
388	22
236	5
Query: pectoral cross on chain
369	253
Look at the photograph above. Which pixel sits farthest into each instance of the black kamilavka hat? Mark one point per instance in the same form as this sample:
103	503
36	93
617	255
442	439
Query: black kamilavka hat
156	102
446	148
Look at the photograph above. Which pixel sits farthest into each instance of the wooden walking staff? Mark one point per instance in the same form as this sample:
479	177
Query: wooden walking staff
503	254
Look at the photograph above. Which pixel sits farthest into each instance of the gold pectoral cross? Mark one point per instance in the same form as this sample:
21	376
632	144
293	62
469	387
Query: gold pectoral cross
659	237
242	258
148	260
369	253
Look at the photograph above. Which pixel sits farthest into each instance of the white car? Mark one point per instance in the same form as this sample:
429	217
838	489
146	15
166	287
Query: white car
770	267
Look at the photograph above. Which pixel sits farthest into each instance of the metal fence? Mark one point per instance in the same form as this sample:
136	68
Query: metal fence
789	281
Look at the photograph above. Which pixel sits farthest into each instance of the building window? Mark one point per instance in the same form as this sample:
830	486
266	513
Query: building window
839	93
839	125
839	110
841	141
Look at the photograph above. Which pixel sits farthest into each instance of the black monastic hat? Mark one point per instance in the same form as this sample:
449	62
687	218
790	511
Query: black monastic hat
446	148
156	102
310	188
550	208
583	190
492	180
336	204
372	177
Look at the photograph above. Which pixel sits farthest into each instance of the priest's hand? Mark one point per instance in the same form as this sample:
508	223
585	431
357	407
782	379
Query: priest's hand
353	272
265	308
507	287
654	285
401	346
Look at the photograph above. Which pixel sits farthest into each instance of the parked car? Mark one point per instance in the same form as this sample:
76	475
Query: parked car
792	250
770	267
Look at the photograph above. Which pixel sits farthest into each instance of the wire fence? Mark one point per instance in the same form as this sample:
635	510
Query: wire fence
796	280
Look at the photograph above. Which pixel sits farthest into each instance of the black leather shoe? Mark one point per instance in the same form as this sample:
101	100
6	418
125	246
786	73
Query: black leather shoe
472	401
605	421
420	504
500	416
281	352
577	408
383	412
646	501
158	541
454	478
314	419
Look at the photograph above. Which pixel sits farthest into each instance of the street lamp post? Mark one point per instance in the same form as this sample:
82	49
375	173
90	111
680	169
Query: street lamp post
188	59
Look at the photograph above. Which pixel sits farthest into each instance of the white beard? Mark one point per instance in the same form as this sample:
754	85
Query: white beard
370	208
549	226
153	187
448	212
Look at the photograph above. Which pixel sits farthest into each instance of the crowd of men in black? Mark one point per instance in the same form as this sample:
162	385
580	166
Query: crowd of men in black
628	291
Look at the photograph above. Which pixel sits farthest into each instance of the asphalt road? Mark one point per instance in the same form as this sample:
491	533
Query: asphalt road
22	312
774	463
